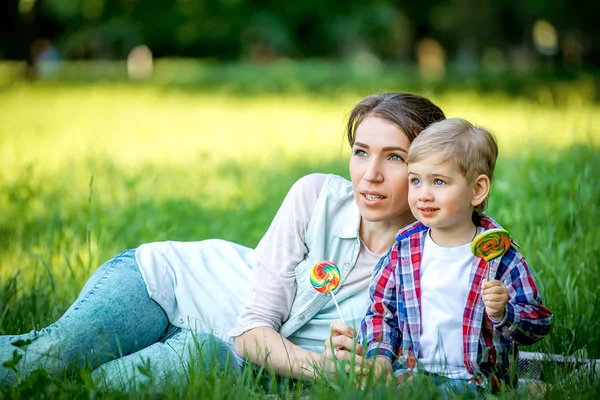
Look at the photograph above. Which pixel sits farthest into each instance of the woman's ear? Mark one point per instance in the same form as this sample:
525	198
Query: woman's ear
480	190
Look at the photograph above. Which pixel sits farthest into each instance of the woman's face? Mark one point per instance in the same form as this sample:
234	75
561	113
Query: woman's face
379	173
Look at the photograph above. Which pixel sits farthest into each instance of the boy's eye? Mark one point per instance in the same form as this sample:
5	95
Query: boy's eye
438	182
415	181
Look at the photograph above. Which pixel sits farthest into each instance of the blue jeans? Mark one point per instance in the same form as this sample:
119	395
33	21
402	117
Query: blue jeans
114	327
449	388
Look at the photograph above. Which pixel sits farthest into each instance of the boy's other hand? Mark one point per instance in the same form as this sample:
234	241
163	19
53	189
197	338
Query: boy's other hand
495	297
375	369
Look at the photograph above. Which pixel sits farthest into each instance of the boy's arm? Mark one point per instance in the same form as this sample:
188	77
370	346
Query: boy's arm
526	320
379	327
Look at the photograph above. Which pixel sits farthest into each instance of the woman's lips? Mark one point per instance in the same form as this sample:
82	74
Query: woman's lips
372	198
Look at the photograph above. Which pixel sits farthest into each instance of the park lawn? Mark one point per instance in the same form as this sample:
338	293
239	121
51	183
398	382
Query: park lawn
89	170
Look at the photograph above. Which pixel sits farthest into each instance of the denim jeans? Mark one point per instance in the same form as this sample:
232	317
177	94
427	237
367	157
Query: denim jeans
114	327
449	388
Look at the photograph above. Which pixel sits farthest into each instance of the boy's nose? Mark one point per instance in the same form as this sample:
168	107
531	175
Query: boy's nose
425	194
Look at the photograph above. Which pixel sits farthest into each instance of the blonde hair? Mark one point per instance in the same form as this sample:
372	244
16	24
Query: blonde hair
474	148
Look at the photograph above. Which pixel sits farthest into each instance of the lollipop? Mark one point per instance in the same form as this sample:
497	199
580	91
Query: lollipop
491	244
325	276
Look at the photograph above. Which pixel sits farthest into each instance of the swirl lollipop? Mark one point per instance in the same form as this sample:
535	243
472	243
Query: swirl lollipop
324	277
491	244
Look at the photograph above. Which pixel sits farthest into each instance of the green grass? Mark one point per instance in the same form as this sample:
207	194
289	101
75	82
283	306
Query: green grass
88	170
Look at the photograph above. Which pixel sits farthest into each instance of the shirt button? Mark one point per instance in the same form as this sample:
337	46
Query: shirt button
302	279
328	295
216	331
346	264
181	320
302	318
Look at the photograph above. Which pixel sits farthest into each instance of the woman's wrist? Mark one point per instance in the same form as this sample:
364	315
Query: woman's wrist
306	365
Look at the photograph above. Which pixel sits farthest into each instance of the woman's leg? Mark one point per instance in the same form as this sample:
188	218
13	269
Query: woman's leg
172	360
112	317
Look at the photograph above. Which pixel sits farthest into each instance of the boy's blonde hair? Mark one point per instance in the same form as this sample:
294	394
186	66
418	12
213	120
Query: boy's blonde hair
473	147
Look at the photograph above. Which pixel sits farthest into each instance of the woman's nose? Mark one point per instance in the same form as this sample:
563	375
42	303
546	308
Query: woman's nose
373	172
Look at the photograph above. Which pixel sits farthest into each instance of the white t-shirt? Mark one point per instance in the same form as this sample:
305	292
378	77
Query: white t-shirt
444	289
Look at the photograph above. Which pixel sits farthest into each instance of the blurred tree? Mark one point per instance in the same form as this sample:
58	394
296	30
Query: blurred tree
10	29
262	30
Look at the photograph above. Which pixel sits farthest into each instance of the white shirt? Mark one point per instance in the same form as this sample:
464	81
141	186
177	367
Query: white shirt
444	289
224	288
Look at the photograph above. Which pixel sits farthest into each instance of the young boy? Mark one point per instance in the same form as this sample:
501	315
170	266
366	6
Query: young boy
432	310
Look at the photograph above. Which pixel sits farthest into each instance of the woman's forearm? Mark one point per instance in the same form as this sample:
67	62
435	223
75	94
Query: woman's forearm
265	347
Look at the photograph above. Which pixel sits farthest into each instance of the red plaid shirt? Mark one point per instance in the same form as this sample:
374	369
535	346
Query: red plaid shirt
392	325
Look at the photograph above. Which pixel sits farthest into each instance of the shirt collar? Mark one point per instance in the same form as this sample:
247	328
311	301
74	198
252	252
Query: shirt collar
349	224
480	219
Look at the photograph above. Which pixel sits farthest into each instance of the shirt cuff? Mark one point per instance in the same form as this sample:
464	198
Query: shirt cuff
499	324
239	329
377	350
509	323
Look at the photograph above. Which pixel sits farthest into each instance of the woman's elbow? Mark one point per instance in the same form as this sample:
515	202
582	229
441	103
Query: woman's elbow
249	342
240	344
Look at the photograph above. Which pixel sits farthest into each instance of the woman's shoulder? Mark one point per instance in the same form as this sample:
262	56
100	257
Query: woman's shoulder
314	184
309	181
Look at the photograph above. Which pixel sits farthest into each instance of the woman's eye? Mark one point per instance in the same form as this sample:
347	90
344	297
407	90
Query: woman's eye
438	182
360	153
396	157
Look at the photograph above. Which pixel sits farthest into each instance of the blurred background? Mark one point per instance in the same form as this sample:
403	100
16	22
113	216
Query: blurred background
508	45
130	121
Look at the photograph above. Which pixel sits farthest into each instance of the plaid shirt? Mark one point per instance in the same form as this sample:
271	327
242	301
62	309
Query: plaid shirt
392	325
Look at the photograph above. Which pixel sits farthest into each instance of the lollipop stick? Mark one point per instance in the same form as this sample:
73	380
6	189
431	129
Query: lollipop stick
338	307
487	273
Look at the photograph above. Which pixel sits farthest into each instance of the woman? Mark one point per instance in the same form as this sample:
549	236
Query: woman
155	304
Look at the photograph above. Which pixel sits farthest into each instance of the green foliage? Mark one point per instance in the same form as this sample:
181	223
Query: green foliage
89	171
269	29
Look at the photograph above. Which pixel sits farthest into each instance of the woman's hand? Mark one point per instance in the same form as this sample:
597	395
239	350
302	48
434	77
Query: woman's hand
342	346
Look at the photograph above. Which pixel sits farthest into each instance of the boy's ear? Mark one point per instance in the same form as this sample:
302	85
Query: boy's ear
480	190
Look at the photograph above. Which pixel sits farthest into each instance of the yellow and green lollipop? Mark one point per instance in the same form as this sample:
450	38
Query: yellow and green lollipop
490	245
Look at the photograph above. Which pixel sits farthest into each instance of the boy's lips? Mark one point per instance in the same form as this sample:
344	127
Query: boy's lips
427	211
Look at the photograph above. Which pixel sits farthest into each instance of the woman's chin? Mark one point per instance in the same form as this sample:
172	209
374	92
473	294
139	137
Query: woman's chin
401	220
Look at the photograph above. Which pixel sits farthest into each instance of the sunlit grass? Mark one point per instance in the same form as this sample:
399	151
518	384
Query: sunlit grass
51	125
87	171
137	125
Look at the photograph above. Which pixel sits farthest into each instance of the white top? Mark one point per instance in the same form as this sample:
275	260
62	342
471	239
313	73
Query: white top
444	289
206	285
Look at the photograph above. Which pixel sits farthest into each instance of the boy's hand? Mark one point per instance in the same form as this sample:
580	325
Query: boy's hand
495	297
379	367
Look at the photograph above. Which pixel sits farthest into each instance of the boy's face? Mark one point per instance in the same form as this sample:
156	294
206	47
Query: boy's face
439	195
